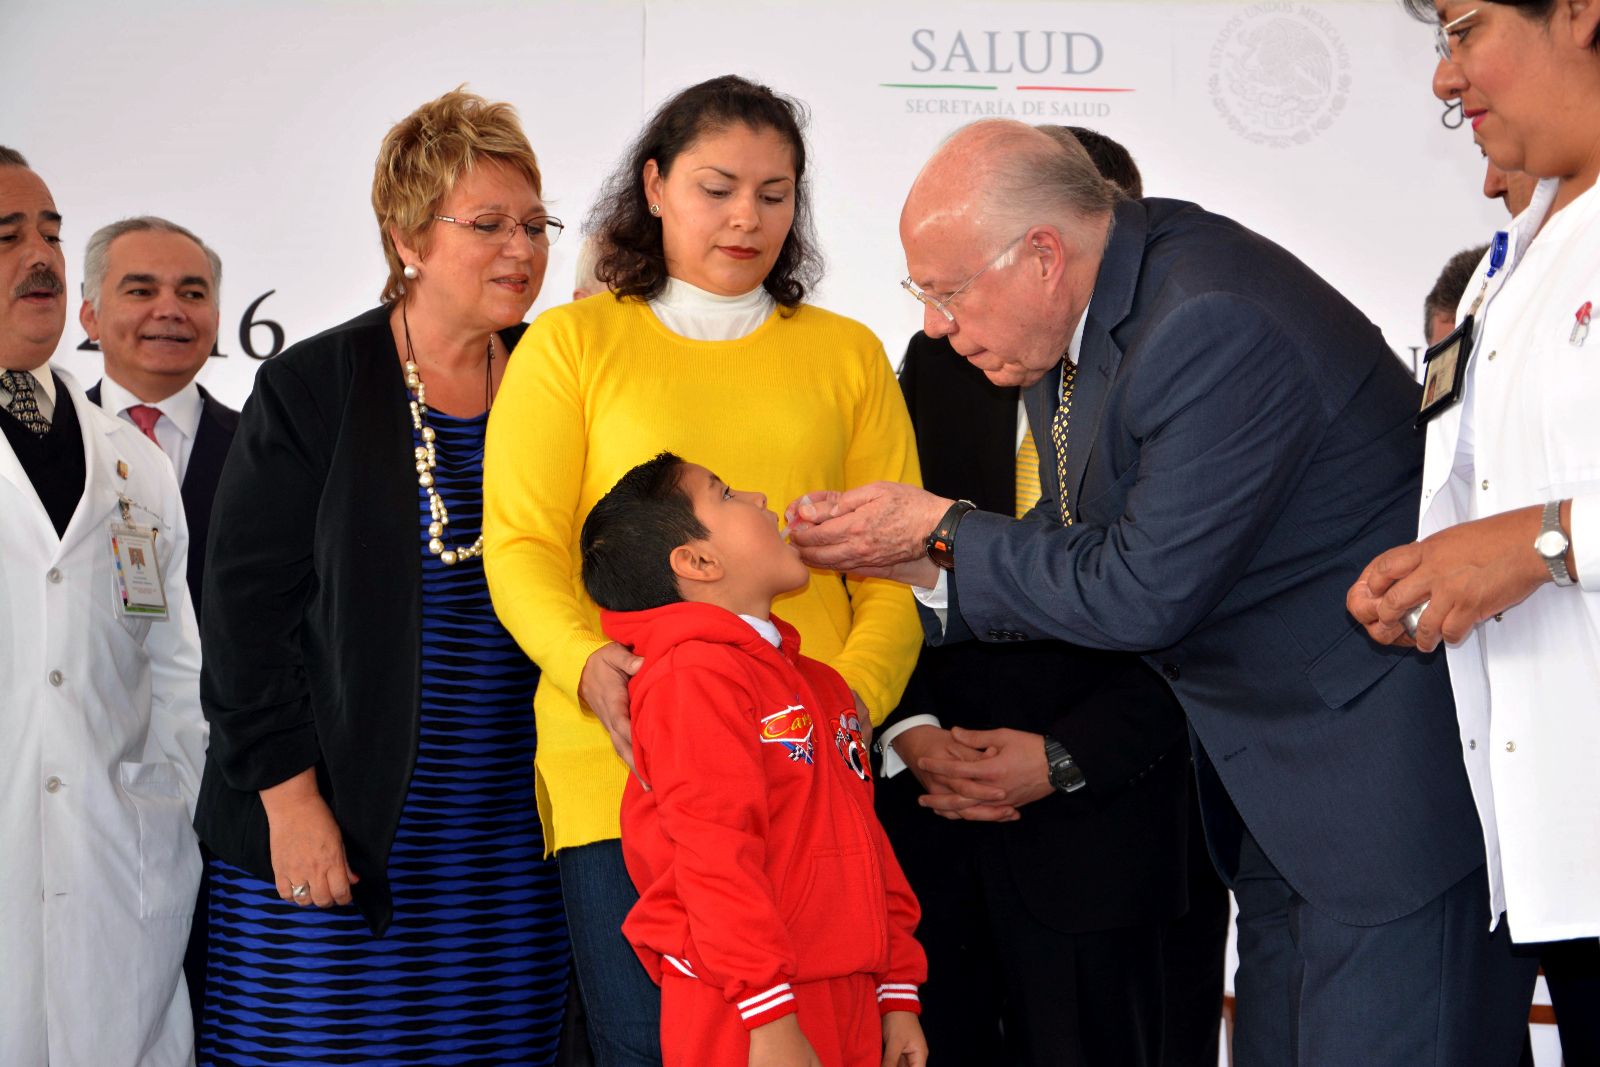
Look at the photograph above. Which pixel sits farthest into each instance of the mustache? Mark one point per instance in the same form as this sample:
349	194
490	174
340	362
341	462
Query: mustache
40	279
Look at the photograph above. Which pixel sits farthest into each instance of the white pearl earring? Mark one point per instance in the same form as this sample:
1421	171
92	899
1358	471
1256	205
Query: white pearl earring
411	273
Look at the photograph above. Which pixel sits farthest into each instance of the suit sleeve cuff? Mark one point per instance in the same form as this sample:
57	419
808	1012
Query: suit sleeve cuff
898	996
767	1006
892	763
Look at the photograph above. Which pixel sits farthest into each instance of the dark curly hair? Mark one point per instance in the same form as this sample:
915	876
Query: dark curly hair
632	259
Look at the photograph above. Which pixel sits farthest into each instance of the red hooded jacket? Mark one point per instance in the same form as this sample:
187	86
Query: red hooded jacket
756	852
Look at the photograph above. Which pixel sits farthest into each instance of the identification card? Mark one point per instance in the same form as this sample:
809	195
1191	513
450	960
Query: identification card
138	571
1446	364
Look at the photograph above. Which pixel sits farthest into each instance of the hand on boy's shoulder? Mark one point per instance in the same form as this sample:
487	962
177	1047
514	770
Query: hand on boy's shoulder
780	1043
903	1043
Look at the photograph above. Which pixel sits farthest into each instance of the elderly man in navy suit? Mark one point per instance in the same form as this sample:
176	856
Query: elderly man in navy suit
1224	443
150	293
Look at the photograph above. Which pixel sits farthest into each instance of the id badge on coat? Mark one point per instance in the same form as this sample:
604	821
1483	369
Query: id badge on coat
138	571
1446	375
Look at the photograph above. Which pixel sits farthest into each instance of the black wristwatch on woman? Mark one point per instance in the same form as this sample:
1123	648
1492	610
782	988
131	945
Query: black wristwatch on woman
941	544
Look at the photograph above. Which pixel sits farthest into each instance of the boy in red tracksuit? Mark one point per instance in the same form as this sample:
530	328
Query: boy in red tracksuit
771	909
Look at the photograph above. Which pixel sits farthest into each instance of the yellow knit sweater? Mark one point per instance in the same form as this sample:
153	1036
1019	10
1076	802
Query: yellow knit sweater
805	402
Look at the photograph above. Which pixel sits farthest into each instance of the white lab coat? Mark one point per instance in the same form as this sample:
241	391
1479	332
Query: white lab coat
101	731
1527	687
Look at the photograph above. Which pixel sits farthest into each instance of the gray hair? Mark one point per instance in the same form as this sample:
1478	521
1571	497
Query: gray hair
94	256
1031	178
584	276
10	157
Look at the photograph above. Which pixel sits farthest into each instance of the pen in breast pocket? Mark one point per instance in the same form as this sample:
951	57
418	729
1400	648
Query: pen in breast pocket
1580	332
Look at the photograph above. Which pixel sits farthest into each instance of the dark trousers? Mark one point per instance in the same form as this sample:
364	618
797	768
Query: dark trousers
1003	989
1194	957
622	1004
1572	971
1432	987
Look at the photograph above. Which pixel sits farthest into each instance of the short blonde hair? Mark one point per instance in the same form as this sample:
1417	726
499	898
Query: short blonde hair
427	152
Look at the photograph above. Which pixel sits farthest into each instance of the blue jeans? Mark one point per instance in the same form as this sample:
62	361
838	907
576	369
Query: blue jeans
622	1003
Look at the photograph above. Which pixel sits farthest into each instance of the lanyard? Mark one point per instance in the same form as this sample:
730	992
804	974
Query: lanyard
1497	259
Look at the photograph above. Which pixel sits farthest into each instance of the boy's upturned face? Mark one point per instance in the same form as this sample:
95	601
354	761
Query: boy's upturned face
757	563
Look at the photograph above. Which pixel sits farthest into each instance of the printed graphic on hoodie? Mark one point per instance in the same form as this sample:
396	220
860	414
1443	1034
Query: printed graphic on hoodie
847	736
791	728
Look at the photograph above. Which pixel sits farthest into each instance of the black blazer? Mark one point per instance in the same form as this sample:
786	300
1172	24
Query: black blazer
1113	853
312	635
218	423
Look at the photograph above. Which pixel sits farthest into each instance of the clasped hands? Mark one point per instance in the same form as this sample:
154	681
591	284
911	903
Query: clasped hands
977	775
1467	573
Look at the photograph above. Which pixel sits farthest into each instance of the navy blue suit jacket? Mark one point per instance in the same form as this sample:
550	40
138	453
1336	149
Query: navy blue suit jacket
1240	446
211	442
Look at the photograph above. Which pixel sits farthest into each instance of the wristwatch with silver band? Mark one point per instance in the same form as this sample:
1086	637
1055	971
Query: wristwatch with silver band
1065	774
1552	544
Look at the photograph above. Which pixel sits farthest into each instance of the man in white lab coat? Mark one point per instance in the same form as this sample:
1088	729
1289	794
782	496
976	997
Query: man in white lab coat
100	724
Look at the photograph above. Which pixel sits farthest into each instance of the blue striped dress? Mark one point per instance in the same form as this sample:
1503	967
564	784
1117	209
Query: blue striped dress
474	968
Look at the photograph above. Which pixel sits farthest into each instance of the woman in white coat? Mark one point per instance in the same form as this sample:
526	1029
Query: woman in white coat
1508	561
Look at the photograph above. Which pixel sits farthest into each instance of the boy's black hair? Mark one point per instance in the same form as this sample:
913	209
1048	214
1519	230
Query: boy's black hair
628	538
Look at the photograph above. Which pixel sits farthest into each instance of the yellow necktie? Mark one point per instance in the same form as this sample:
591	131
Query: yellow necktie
1027	474
1058	434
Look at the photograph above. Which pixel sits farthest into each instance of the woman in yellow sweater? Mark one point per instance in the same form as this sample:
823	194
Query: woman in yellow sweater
704	347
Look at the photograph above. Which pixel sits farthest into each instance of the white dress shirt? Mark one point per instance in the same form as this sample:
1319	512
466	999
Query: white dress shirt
179	422
937	599
692	312
1527	687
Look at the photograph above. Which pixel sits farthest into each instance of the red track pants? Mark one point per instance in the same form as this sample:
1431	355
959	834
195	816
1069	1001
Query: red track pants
839	1016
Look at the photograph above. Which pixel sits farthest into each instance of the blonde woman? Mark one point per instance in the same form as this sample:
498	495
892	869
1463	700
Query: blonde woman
380	892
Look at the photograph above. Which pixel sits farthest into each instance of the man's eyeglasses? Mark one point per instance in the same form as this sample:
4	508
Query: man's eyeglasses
1441	38
542	230
942	304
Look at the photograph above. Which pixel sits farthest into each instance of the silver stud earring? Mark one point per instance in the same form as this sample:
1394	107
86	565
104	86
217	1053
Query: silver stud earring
655	209
411	273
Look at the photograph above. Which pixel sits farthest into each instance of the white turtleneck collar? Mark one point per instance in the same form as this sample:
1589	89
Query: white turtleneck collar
766	628
692	312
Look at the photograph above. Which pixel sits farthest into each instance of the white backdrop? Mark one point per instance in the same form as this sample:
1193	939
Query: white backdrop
255	123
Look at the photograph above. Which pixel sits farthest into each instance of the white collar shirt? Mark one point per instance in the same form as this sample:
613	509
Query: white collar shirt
1527	686
177	427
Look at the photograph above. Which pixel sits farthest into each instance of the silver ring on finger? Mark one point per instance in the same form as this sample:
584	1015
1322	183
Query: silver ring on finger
1413	617
300	892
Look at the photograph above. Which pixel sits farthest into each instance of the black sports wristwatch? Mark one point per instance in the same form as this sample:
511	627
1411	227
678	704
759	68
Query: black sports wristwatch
941	544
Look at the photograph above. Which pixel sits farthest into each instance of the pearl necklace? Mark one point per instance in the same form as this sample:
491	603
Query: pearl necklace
427	458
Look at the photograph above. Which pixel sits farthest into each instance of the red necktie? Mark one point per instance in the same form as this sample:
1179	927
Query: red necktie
145	417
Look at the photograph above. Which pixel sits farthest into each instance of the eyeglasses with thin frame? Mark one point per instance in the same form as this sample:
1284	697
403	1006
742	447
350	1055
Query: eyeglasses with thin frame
542	230
942	304
1441	35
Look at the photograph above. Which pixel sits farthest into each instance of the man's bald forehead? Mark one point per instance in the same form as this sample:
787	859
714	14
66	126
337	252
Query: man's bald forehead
957	176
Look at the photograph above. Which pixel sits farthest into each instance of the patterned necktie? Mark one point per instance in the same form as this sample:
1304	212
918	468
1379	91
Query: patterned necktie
1028	491
1058	433
145	417
23	407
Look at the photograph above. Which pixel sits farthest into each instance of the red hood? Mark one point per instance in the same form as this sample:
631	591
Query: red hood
654	633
